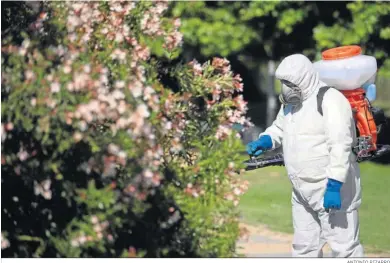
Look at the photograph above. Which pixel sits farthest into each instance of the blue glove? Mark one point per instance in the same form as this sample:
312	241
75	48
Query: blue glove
332	197
257	147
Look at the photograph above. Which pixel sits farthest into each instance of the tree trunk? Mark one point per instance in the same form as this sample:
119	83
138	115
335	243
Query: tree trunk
271	96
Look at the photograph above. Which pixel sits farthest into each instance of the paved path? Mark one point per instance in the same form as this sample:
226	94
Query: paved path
260	241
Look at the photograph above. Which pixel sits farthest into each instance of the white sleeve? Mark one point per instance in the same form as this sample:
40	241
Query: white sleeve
339	129
275	131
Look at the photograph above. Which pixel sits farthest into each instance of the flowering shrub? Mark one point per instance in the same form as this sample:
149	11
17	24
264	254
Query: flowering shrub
99	158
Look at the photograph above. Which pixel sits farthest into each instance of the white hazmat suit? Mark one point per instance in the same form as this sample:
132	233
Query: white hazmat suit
316	148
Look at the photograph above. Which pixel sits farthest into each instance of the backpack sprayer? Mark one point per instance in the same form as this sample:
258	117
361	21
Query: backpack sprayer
347	70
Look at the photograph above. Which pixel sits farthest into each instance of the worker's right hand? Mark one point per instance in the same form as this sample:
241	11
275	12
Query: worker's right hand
257	147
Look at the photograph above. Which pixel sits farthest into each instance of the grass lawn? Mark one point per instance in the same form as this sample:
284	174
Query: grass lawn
268	202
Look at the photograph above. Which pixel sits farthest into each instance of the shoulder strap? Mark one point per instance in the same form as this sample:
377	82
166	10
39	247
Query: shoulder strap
320	97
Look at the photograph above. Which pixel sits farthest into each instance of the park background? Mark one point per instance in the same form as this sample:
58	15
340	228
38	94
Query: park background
253	36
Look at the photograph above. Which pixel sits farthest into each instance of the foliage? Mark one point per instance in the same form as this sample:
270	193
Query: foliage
99	158
257	31
368	26
204	24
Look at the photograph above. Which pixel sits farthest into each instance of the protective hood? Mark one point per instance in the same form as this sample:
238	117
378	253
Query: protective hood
299	70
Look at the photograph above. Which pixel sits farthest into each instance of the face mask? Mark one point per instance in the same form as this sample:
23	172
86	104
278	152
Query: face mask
291	94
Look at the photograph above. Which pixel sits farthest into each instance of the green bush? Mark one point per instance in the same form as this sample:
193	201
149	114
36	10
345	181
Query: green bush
99	157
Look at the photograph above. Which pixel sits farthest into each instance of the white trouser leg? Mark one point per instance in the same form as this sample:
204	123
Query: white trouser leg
341	231
307	231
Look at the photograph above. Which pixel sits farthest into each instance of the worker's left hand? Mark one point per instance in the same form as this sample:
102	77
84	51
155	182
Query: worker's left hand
332	197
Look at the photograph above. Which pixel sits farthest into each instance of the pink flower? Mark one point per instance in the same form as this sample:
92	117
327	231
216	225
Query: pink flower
86	38
43	189
237	78
229	197
116	6
136	88
119	84
148	91
173	40
177	23
122	123
196	67
73	22
148	174
237	83
142	111
122	107
77	136
70	86
118	54
113	149
50	77
222	132
168	125
97	228
22	52
51	103
72	37
77	6
67	69
150	24
26	43
80	80
9	126
55	87
29	74
104	31
239	86
82	239
23	155
94	219
118	95
128	6
74	243
141	52
126	30
138	117
87	68
122	155
240	103
221	64
237	191
176	146
119	37
4	242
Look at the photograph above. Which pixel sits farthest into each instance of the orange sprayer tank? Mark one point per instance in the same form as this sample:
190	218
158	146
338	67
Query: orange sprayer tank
346	69
362	114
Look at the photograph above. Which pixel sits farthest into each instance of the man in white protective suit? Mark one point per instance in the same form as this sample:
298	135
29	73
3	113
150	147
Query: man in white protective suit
317	143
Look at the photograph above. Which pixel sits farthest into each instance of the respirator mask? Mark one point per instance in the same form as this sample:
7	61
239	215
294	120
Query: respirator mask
291	93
